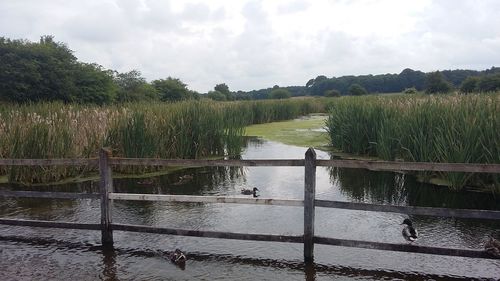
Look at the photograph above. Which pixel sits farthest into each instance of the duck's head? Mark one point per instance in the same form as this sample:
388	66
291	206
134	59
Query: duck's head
407	222
255	189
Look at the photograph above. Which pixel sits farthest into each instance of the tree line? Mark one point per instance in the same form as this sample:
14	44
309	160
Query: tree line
48	71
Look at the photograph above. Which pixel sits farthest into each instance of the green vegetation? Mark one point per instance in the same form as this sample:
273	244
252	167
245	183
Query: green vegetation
188	129
435	84
306	131
447	128
357	90
279	93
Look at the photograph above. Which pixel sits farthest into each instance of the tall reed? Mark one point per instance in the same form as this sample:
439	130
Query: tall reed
451	128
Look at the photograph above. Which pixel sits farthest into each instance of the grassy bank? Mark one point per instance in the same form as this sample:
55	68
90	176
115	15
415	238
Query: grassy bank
193	129
449	128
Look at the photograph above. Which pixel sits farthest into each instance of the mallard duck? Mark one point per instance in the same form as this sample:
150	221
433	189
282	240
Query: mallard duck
177	257
410	234
250	191
492	247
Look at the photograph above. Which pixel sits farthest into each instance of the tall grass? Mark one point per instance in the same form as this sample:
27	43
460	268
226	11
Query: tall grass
451	128
190	129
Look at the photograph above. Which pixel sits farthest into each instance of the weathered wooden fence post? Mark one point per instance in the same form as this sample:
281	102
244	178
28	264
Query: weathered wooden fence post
309	196
106	186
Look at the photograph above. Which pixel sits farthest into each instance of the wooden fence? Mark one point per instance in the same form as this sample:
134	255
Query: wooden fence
106	196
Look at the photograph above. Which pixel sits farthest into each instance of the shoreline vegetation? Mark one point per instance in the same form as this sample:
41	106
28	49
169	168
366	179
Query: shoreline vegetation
422	128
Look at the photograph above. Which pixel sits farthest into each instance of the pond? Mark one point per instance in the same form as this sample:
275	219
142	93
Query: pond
56	254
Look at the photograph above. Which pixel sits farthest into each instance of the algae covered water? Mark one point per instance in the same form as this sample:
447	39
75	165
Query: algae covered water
56	254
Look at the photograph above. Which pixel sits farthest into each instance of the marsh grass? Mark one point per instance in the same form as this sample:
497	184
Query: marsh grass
189	129
450	128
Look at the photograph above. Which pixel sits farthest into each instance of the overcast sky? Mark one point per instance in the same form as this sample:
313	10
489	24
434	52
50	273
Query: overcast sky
257	44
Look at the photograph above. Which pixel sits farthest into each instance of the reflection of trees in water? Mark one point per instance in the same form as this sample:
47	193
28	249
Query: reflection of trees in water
370	187
192	181
402	189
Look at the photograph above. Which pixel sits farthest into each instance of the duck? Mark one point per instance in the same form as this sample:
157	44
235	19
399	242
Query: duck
184	179
250	191
410	234
492	247
177	257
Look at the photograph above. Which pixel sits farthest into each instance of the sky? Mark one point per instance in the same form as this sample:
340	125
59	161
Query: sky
254	44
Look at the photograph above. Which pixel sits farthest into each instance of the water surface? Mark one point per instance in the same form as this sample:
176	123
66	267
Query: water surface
39	253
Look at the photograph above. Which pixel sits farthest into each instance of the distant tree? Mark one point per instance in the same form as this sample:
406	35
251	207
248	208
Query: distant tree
410	91
93	84
224	89
172	89
435	83
216	95
489	83
279	93
469	85
332	93
357	90
132	87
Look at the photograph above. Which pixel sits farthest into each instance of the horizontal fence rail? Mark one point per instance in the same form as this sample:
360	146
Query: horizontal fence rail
411	248
46	194
52	224
208	234
205	199
107	195
49	162
411	210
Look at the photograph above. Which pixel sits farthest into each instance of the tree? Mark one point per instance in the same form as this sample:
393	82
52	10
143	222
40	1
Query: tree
132	87
42	71
435	83
469	85
93	84
489	83
216	95
279	93
357	90
172	89
224	89
332	93
410	91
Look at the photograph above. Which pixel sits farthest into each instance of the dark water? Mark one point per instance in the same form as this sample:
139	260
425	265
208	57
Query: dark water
45	254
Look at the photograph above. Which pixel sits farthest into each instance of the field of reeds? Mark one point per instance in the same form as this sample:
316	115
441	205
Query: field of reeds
440	128
191	129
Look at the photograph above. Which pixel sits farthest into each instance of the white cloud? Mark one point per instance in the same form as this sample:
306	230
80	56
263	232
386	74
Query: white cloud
255	44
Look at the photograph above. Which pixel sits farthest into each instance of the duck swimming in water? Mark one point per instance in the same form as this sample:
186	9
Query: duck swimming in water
250	191
492	247
177	257
410	234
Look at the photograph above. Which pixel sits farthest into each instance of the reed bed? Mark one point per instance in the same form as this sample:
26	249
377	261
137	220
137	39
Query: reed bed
190	129
449	128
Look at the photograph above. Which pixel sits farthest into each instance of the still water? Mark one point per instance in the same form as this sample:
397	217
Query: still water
54	254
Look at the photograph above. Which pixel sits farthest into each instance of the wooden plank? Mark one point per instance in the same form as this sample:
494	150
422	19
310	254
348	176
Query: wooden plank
50	224
411	248
309	200
46	194
208	234
412	166
49	162
203	163
412	210
205	199
106	187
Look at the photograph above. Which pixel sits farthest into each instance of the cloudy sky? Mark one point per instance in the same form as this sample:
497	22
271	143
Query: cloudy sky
257	44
